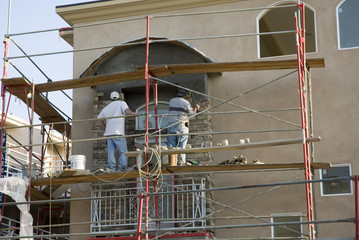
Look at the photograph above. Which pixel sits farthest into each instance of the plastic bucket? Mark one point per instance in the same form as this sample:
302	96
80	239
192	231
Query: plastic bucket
78	162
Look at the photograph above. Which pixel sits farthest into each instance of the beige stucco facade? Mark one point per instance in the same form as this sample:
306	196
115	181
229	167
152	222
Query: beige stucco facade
334	96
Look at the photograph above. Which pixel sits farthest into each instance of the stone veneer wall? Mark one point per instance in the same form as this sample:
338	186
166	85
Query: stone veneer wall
198	124
99	147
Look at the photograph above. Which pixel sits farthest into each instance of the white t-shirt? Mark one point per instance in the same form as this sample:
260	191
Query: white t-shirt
114	126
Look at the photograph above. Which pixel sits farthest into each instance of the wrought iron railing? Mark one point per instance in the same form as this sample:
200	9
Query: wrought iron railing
178	204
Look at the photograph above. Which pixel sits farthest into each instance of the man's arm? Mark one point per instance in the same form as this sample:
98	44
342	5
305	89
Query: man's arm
101	123
129	112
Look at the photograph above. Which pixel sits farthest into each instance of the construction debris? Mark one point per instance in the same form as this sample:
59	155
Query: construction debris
256	161
235	161
240	160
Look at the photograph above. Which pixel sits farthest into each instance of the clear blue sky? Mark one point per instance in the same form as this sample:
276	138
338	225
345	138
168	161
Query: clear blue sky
29	16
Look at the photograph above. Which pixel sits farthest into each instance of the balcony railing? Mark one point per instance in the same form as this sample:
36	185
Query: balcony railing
116	205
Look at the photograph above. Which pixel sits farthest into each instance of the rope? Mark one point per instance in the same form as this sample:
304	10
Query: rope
155	173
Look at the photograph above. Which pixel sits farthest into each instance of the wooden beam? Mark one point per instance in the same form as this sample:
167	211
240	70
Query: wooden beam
42	107
36	195
90	81
232	147
232	67
68	173
226	168
10	82
167	70
83	176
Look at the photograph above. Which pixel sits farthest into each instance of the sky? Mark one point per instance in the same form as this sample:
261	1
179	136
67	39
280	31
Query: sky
28	16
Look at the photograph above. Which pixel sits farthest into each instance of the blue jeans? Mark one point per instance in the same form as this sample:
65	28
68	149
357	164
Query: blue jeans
121	145
178	141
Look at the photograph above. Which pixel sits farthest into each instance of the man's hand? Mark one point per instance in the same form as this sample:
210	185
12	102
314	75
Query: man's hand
196	107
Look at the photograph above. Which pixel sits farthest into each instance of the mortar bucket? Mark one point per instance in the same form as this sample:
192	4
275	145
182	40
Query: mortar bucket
78	162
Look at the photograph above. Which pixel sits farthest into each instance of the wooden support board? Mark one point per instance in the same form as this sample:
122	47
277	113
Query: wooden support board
231	147
83	176
36	195
53	189
15	82
47	113
166	70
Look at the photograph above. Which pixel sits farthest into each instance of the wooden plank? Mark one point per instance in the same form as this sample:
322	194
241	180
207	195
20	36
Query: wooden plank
172	170
166	70
86	178
15	82
232	147
232	67
227	168
47	113
64	174
36	195
91	81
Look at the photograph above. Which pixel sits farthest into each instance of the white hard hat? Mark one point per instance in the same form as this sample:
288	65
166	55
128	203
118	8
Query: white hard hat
115	95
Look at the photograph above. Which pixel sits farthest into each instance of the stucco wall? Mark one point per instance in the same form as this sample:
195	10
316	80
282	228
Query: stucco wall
335	94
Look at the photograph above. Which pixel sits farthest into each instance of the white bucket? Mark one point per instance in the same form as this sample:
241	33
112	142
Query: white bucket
78	162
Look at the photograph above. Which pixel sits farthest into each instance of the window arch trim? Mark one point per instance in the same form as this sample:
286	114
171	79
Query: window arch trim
338	28
271	7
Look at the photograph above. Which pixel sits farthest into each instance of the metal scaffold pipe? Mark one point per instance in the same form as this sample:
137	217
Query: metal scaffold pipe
185	191
153	231
168	40
150	115
153	16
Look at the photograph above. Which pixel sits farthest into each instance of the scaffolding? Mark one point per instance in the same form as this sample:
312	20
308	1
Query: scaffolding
140	220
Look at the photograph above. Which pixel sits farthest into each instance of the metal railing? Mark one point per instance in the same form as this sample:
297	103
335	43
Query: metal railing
17	161
167	210
11	228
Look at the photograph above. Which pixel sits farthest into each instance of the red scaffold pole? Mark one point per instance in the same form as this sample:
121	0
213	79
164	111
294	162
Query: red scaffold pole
3	115
147	81
147	200
3	97
139	217
300	41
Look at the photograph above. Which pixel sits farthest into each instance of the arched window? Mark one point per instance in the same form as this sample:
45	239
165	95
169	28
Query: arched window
282	19
162	108
347	21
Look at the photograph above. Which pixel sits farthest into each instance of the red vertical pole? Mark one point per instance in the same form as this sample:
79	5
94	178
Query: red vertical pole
300	41
356	209
139	217
147	80
147	102
3	96
6	54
